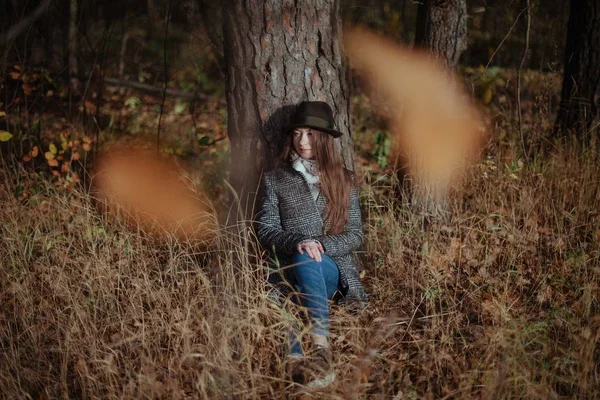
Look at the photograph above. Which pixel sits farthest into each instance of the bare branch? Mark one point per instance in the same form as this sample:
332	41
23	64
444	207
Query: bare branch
159	91
22	25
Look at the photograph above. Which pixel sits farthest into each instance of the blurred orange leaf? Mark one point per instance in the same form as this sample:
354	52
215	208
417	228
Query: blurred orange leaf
436	130
151	190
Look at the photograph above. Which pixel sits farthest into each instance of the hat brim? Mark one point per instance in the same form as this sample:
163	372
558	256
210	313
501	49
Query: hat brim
332	132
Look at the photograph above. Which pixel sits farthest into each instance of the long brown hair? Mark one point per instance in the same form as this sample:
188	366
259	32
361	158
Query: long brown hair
335	179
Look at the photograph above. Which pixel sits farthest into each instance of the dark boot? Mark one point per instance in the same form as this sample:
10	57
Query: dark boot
296	369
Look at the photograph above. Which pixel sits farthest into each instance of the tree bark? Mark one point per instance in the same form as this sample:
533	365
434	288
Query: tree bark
442	29
581	83
278	53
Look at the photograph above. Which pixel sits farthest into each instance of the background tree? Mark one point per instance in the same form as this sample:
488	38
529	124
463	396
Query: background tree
279	53
73	45
581	82
442	29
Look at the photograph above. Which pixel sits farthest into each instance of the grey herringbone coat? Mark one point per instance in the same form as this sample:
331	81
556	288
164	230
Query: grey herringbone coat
288	214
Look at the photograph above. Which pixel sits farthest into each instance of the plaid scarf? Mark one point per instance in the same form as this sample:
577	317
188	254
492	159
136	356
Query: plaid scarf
310	172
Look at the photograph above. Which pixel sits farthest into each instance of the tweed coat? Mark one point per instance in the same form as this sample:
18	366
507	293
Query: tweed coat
287	214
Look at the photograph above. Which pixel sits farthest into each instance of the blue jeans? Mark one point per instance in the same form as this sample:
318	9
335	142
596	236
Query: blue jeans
316	282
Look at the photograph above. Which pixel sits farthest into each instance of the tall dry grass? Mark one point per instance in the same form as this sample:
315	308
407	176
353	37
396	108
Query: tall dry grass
499	300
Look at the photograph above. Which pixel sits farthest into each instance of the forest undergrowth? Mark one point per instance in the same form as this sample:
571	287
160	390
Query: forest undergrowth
499	299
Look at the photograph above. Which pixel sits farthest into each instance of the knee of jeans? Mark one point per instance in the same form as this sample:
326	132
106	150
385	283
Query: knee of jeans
301	259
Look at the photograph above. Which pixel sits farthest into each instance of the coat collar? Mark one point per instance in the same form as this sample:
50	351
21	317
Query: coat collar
320	203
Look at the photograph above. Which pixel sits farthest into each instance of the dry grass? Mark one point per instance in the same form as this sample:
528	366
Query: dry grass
500	300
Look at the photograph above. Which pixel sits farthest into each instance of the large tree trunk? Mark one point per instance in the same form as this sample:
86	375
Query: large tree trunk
278	53
442	29
581	82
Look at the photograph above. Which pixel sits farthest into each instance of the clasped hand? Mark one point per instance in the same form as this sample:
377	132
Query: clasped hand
313	248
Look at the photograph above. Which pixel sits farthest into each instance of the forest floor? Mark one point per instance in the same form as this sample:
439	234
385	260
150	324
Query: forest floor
499	299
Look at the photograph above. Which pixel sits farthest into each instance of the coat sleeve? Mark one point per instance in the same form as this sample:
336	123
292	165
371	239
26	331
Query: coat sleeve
350	239
267	222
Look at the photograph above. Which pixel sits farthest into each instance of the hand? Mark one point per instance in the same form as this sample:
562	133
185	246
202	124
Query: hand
313	248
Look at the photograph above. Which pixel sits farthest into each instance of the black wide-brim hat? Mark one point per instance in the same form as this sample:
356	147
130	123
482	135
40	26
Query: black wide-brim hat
313	114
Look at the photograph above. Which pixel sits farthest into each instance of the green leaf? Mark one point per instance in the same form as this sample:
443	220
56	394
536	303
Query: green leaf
203	141
5	136
53	148
180	107
493	71
387	145
133	102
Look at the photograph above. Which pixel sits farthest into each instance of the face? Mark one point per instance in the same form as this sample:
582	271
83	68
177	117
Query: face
304	142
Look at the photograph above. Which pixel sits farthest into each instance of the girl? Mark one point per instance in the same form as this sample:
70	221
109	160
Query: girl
309	219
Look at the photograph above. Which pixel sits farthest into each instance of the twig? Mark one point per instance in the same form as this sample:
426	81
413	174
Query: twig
502	42
525	153
101	71
18	28
164	96
412	317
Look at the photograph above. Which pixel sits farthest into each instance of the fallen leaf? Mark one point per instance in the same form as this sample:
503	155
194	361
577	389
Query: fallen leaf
27	88
5	136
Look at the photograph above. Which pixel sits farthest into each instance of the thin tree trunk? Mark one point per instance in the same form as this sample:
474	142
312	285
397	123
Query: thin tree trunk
581	83
278	53
154	18
210	13
442	29
73	46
